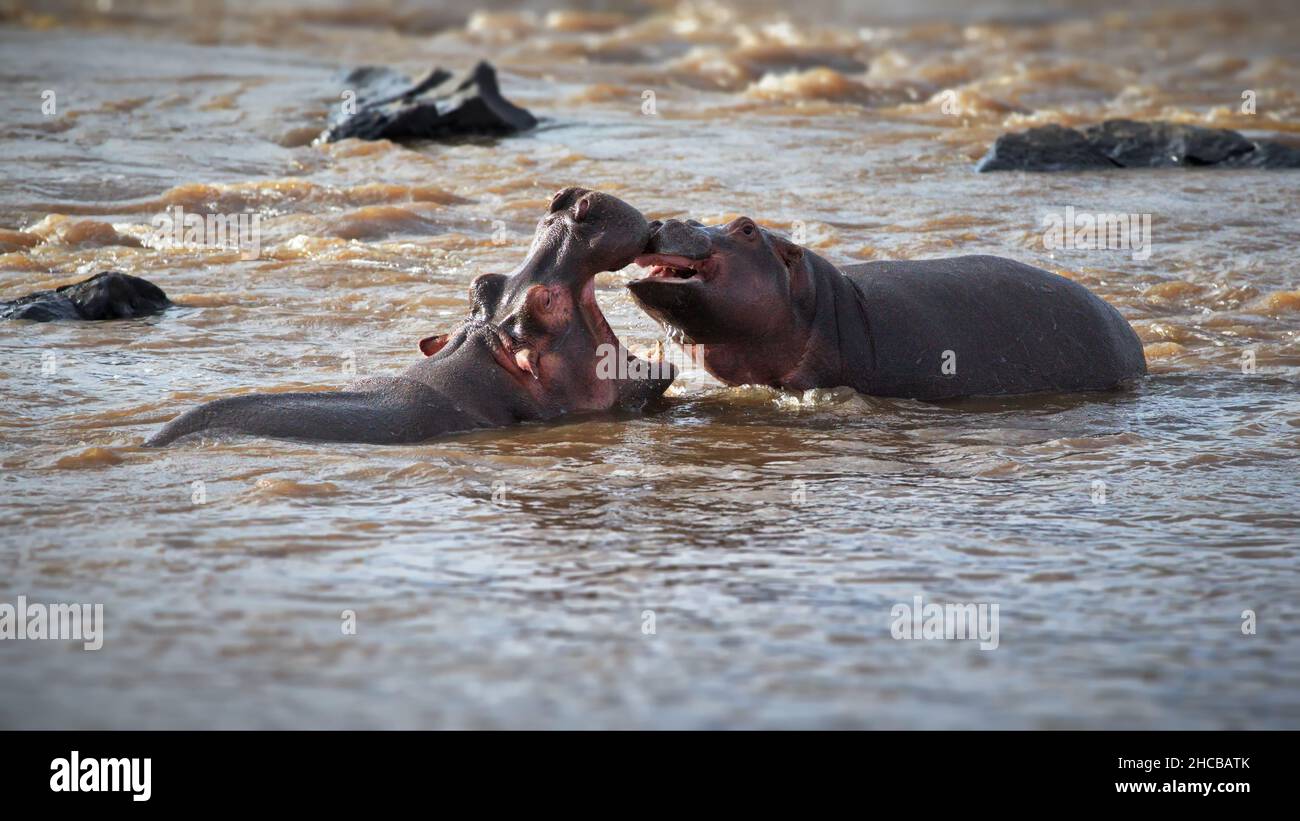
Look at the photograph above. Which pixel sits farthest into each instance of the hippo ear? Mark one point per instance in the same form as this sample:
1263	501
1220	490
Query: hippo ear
796	264
790	254
430	345
485	293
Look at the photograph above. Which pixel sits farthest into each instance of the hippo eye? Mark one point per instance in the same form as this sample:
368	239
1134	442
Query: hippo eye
747	228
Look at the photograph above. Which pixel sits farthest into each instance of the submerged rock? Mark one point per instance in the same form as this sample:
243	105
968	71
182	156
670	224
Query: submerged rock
1131	144
106	295
389	107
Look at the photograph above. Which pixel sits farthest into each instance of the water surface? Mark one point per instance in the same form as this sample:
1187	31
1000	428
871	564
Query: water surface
503	578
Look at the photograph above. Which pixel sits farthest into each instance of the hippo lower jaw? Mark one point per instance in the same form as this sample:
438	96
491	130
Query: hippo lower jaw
635	381
672	293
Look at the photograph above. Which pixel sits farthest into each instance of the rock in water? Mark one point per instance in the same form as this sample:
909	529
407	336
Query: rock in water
1130	144
106	295
390	108
1268	155
1049	148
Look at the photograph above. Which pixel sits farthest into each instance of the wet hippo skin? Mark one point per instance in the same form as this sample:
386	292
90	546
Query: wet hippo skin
528	352
761	310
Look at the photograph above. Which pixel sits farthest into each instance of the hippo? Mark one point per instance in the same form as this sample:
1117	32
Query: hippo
106	295
530	350
759	309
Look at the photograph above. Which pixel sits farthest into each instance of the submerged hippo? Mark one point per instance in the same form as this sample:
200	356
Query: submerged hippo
529	351
762	310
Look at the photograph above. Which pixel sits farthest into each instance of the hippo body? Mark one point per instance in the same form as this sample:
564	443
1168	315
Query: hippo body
459	391
531	350
1011	329
759	309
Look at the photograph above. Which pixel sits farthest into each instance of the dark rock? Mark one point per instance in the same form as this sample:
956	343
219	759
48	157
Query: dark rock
106	295
390	108
1268	155
375	83
1207	146
1130	144
1049	148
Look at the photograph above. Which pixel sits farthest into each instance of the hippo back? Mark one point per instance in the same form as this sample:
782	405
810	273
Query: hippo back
987	326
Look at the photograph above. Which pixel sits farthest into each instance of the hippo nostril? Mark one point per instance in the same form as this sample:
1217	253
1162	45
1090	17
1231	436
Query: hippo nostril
509	337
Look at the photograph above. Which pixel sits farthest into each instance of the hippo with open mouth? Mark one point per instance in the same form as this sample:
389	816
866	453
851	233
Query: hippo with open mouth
531	350
760	309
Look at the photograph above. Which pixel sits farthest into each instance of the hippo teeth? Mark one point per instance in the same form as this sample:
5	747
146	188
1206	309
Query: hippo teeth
524	361
670	266
670	271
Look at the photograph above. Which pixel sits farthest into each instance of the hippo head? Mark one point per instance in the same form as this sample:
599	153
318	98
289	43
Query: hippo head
732	283
527	357
553	337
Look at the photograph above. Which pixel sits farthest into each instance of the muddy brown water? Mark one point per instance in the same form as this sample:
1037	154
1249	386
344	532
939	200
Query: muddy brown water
504	578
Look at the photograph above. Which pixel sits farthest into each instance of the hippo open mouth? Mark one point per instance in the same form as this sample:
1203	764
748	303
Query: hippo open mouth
669	266
633	364
673	292
679	262
521	350
548	329
536	346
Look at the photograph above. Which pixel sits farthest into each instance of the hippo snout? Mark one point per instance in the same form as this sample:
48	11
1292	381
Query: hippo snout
677	238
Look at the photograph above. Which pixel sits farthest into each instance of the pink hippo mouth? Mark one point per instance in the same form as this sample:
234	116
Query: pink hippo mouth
631	389
671	267
675	292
